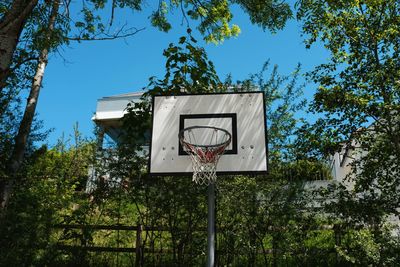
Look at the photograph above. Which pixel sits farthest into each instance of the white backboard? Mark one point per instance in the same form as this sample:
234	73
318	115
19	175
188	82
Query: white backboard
242	114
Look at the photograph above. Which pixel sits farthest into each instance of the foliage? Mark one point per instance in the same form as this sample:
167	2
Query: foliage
131	154
179	205
258	216
187	70
43	197
270	14
359	95
8	129
214	16
359	84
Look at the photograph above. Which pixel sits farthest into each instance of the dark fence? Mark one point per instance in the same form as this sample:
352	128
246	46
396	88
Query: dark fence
139	248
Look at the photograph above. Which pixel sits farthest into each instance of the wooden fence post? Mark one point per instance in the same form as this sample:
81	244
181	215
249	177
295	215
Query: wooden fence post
139	250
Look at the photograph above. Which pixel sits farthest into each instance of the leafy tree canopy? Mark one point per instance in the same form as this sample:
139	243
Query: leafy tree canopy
360	82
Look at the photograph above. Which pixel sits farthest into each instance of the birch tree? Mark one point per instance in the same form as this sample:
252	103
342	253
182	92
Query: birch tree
27	119
11	25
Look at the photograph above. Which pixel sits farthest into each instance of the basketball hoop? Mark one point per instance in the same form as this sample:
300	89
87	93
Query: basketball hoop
204	154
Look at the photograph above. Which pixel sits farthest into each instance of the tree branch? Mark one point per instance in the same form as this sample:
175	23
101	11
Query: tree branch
106	36
184	15
21	62
112	12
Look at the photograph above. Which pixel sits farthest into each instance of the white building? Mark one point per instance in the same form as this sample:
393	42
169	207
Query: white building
110	110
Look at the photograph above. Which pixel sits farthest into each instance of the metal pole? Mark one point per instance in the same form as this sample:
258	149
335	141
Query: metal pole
211	226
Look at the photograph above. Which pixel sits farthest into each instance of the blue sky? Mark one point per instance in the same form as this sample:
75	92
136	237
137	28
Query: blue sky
85	72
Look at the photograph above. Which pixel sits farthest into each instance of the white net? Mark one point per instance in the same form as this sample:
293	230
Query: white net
204	156
204	173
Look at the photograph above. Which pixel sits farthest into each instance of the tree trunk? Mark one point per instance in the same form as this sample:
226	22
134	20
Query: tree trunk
11	26
26	122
